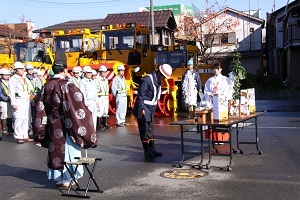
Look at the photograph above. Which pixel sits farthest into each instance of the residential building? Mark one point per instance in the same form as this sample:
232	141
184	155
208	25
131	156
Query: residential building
283	43
229	30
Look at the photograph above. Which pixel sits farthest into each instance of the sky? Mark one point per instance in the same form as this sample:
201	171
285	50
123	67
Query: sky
49	12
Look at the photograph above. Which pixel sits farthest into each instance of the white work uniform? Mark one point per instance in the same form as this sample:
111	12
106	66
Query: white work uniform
190	89
35	85
19	90
103	98
75	80
118	89
6	109
215	85
89	89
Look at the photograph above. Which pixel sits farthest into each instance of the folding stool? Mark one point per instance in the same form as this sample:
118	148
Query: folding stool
85	162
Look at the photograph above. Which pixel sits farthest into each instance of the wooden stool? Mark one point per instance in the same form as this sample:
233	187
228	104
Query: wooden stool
85	162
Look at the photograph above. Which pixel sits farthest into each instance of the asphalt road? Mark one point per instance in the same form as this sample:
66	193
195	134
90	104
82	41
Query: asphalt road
124	173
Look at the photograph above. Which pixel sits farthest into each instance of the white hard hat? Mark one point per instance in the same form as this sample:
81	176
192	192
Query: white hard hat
5	71
77	69
166	70
121	67
28	66
102	68
18	65
40	72
94	72
87	69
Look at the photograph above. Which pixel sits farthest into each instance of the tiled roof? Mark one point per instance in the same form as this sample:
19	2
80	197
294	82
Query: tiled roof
13	30
92	24
161	18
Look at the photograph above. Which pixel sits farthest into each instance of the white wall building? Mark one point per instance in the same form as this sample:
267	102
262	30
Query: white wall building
232	29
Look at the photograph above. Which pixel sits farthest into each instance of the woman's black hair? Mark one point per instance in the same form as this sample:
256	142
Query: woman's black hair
217	65
58	68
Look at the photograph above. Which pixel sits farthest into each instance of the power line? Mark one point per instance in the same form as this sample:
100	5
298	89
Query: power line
36	3
76	3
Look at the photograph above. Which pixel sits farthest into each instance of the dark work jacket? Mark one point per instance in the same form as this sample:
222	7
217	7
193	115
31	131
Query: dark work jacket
197	79
146	92
3	96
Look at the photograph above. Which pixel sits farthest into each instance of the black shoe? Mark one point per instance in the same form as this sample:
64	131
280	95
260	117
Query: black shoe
10	125
152	149
147	152
105	122
0	138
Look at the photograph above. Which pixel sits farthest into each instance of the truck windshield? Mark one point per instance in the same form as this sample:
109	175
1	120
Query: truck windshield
118	39
28	52
68	43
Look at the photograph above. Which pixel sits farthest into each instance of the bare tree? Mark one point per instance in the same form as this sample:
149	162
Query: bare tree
208	28
12	33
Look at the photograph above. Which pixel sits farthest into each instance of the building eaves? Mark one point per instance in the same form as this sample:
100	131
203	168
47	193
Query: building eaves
161	18
239	13
93	24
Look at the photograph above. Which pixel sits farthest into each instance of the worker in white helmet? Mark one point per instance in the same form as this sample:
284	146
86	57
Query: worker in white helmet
145	105
6	109
118	89
94	74
103	99
20	89
35	84
76	78
88	88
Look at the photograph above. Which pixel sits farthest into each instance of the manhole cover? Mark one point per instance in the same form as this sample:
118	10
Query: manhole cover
183	174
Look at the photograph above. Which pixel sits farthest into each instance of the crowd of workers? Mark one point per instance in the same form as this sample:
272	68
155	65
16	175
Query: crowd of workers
64	113
19	90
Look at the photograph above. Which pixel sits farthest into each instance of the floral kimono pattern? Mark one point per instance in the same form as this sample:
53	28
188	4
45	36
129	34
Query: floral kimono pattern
60	110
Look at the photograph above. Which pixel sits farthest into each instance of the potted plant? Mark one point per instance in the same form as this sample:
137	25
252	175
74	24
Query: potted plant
238	73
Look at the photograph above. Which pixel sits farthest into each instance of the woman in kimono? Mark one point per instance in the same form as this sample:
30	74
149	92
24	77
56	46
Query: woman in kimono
63	124
216	84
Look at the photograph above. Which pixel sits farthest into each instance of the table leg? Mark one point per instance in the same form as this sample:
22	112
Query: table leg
182	146
230	140
200	130
209	148
256	134
238	142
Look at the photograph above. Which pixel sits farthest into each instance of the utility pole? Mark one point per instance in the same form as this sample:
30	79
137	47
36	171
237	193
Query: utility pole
152	22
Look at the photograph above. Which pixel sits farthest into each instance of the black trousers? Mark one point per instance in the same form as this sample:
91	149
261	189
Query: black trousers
146	129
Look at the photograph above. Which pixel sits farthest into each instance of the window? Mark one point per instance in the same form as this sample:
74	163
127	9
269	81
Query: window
68	43
94	44
145	41
119	39
219	38
231	38
228	38
216	40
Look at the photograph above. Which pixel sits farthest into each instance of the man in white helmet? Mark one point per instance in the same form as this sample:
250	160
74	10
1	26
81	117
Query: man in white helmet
35	84
6	109
20	89
118	89
145	106
103	99
88	88
76	78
